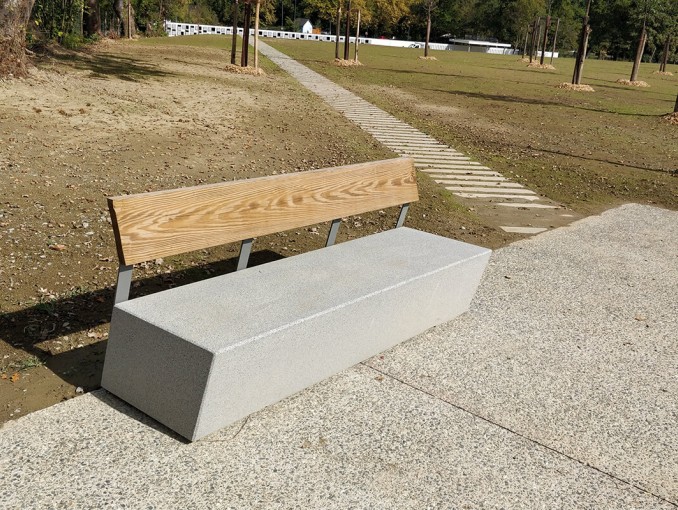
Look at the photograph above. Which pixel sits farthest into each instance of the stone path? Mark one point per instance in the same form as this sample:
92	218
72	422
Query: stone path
524	211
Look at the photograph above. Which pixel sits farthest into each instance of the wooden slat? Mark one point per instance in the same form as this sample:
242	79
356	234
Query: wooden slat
162	223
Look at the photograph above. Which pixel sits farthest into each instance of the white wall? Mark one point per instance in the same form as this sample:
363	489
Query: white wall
177	29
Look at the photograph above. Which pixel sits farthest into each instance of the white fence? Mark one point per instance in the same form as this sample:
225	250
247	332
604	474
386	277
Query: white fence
176	29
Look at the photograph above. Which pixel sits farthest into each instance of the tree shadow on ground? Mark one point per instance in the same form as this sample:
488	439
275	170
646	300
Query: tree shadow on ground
533	101
26	329
104	66
429	73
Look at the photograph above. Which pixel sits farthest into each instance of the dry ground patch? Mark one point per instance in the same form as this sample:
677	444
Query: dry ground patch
128	117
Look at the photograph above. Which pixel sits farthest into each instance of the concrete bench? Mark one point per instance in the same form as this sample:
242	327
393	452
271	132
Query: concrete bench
199	357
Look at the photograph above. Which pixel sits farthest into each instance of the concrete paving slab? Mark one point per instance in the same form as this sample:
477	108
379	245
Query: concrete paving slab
557	390
354	441
572	342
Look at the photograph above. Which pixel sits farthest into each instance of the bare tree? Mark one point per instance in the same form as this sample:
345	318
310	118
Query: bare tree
583	46
639	51
430	5
14	16
665	54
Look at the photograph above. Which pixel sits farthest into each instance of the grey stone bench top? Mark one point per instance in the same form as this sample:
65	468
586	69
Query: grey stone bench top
223	312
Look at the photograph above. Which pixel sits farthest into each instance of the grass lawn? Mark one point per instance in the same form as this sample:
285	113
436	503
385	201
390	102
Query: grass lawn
587	150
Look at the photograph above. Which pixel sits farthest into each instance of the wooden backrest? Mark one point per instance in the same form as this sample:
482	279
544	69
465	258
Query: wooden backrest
162	223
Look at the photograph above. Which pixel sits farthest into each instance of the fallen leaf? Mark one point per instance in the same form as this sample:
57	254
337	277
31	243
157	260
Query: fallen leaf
3	376
15	377
57	247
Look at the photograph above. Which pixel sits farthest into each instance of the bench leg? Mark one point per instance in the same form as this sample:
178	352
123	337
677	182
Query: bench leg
124	283
403	213
245	250
332	236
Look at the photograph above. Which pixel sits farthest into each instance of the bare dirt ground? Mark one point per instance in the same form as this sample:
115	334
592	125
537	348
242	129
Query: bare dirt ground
126	117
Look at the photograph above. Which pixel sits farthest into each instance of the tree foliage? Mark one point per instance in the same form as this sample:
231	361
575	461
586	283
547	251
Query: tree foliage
616	24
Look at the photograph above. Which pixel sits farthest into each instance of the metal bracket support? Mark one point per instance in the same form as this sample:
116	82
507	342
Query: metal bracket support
124	283
245	250
332	236
403	213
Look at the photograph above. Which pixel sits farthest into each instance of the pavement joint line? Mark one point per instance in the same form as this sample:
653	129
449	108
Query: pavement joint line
523	436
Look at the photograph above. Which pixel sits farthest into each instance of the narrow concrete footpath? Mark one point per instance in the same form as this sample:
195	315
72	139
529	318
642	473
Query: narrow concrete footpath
477	185
557	390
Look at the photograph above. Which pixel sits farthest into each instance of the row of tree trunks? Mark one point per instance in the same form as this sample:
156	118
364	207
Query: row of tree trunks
244	54
347	37
91	17
14	15
125	14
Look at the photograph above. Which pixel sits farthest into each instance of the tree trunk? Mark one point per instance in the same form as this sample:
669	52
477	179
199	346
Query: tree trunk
92	19
675	108
547	26
527	35
234	40
428	30
555	38
244	55
14	16
125	14
533	36
639	53
665	54
583	45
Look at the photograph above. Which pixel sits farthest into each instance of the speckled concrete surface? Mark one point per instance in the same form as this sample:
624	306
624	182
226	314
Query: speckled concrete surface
572	341
555	362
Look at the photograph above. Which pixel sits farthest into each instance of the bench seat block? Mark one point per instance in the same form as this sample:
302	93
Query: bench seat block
201	356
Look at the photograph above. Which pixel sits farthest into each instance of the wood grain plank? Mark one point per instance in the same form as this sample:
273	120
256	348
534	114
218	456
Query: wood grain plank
162	223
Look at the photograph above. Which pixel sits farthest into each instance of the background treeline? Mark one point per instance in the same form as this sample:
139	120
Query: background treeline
616	24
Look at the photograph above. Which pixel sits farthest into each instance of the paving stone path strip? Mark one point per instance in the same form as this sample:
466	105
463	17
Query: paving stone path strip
448	167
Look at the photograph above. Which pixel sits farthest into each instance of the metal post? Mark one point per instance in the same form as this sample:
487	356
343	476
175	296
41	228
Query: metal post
332	236
124	284
245	250
401	216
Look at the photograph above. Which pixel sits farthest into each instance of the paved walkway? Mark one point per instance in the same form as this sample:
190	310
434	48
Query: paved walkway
557	390
465	178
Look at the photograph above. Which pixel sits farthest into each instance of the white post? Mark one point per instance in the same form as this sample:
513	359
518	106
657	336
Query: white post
256	35
357	38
